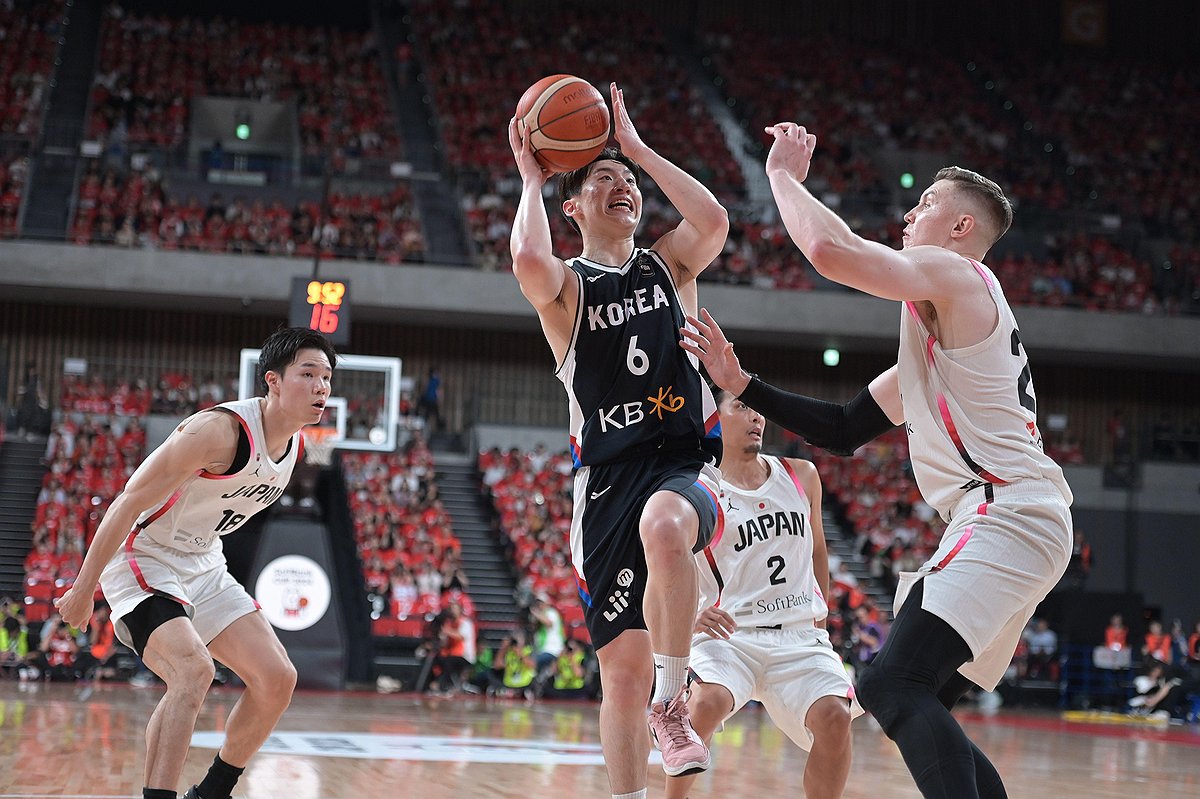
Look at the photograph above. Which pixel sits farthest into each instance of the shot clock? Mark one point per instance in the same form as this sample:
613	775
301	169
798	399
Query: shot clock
322	305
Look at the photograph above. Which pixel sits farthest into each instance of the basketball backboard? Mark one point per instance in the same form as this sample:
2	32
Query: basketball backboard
362	412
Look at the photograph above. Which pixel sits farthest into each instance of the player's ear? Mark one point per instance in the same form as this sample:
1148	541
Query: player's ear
570	206
272	379
964	225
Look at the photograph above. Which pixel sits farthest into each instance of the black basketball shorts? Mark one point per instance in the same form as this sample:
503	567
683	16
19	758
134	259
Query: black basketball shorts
606	547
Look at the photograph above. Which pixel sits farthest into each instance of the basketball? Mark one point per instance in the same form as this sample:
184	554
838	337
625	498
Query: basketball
566	120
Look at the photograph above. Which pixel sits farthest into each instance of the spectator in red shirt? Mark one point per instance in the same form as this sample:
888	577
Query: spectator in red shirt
41	564
1158	644
456	650
57	651
1116	637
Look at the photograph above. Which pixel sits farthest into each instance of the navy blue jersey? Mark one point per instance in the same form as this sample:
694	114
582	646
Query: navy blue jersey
630	386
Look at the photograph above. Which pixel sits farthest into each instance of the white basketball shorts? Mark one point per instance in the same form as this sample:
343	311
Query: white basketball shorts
786	670
200	582
997	560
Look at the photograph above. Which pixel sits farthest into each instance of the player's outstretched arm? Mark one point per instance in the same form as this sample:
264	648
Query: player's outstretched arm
698	239
840	429
841	255
539	272
208	441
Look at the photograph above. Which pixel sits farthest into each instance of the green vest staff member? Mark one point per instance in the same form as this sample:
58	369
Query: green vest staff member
571	673
519	668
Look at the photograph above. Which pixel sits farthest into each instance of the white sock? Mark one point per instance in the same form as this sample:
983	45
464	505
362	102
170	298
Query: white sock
670	674
635	795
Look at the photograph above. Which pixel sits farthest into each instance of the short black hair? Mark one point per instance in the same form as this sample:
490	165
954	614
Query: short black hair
571	183
280	349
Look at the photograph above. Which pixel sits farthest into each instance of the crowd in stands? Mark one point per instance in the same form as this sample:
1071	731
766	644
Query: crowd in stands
1028	122
1084	271
135	209
14	171
1121	129
860	111
894	99
531	492
90	454
174	393
29	32
895	529
53	651
406	543
88	463
151	67
467	52
472	49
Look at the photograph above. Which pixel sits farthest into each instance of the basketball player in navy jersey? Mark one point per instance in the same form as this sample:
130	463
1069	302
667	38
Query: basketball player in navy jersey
760	631
644	429
158	558
962	386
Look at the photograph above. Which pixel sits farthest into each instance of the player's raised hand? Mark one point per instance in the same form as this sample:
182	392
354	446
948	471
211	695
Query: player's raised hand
708	343
792	150
530	169
715	623
76	607
626	134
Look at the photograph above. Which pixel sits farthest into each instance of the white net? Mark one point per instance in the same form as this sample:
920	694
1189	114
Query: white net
318	453
319	444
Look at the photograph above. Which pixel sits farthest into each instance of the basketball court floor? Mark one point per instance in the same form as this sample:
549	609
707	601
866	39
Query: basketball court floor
85	742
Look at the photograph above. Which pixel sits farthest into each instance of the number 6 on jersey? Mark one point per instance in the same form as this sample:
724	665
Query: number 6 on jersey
637	360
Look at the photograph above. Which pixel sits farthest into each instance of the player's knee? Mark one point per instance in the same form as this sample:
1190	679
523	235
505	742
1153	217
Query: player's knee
829	719
878	693
283	678
190	675
626	683
666	536
873	684
275	680
709	702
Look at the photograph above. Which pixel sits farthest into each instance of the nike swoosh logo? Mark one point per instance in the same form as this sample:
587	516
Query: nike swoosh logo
597	494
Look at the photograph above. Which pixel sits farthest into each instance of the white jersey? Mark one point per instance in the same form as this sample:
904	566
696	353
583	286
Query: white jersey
971	412
759	568
208	506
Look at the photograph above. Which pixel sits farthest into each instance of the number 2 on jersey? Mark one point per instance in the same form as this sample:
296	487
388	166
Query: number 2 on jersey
776	562
1026	377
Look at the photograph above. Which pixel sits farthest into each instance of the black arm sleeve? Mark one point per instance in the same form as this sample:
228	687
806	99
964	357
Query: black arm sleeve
840	429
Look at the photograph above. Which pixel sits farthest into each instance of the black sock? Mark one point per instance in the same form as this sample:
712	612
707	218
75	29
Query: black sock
158	793
219	781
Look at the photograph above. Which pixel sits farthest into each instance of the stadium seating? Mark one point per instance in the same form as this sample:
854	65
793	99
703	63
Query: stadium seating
405	538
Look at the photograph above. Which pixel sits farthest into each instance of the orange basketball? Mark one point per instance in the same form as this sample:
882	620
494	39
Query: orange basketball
566	120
